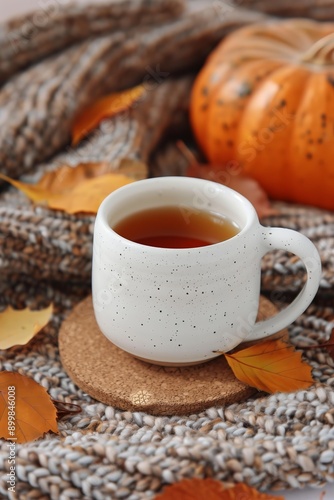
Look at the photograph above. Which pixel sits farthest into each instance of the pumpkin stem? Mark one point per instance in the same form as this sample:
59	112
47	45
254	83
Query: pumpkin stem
322	52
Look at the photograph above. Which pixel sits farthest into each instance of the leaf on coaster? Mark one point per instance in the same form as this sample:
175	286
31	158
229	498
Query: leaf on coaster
19	327
106	107
271	366
81	189
210	489
34	412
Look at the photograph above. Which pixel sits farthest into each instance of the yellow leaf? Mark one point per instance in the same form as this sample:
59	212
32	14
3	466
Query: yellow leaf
210	489
66	177
105	107
26	409
88	196
271	366
18	327
32	191
81	188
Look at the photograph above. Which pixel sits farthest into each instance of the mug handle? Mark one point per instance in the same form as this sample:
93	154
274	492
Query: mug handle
300	245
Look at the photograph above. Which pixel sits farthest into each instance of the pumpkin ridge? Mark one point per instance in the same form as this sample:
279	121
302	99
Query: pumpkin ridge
272	124
232	106
276	73
315	144
202	97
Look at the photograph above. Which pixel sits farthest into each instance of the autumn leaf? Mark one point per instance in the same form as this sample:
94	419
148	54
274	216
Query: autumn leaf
88	196
19	327
81	189
105	107
231	177
271	366
34	412
210	489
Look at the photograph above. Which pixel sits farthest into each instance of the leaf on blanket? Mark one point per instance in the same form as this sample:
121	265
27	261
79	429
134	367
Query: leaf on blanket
210	489
26	409
233	178
19	327
271	366
106	107
81	189
87	196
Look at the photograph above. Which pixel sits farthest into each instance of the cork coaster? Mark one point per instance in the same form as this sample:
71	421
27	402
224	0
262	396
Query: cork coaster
114	377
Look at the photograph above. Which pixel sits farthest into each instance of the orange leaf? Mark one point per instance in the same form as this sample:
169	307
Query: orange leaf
193	489
32	414
210	489
107	106
19	327
271	366
81	188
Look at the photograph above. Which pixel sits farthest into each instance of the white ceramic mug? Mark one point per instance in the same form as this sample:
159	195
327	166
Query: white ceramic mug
181	306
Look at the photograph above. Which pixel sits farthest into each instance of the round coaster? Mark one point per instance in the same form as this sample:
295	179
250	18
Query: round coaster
116	378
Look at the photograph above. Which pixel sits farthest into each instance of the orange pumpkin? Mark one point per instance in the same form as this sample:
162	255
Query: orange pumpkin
265	98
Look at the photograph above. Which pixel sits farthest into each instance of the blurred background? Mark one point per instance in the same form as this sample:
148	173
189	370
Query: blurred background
17	7
14	7
9	9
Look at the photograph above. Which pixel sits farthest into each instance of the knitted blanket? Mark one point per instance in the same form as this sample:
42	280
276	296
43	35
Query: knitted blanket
49	73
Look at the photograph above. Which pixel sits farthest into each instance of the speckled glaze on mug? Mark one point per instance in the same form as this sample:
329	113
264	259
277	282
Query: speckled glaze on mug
181	306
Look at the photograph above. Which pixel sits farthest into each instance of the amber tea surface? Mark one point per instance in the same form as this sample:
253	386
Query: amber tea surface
176	227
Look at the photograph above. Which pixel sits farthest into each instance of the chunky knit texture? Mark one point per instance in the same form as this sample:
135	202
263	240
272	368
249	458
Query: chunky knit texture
278	441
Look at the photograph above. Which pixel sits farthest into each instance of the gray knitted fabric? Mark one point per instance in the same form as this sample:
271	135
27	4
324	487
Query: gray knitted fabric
277	441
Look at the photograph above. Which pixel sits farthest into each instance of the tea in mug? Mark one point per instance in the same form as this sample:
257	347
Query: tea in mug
176	227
